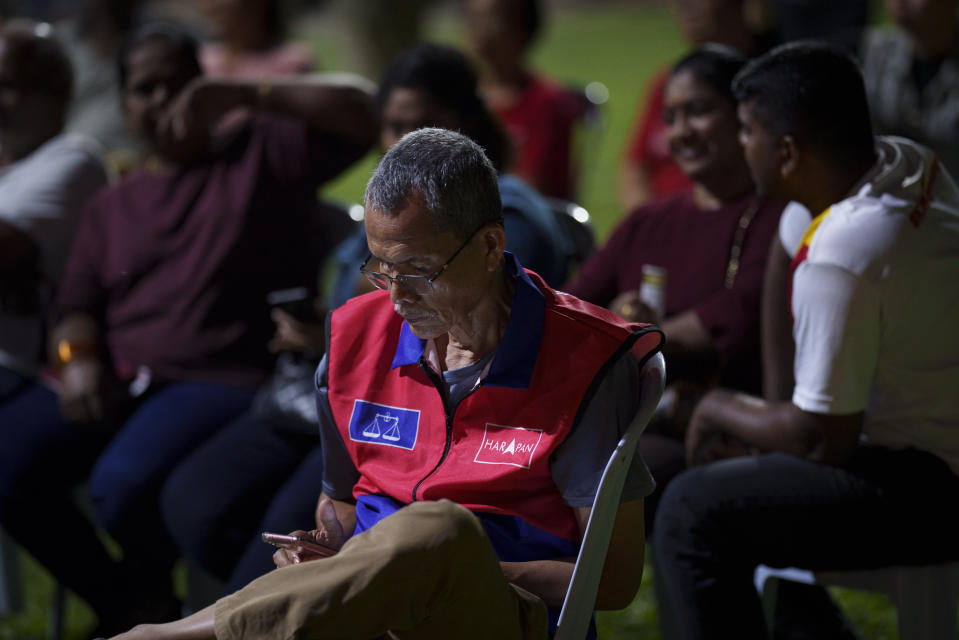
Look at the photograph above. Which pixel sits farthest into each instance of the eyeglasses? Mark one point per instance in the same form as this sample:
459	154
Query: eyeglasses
418	284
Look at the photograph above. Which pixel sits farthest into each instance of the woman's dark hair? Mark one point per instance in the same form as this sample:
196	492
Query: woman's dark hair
48	68
183	44
714	65
447	76
531	15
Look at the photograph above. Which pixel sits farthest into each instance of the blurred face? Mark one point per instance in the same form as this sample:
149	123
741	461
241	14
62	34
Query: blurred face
702	21
411	109
761	148
155	75
27	114
921	16
701	129
494	31
408	244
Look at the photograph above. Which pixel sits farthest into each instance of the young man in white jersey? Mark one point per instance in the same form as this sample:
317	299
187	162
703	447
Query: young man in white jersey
861	468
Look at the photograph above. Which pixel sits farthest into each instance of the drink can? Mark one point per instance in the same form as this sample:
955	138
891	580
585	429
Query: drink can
652	291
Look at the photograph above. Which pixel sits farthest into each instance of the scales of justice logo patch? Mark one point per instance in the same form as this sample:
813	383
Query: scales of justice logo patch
384	425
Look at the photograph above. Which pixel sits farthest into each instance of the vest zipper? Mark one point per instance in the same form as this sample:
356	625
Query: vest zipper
437	382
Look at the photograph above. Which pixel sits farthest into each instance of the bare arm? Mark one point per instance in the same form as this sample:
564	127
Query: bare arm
75	345
338	103
687	332
76	328
622	572
335	103
335	521
769	426
345	513
776	326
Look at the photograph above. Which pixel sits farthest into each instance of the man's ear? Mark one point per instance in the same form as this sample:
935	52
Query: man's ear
494	240
788	156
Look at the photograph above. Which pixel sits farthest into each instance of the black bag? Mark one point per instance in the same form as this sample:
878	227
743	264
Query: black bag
287	399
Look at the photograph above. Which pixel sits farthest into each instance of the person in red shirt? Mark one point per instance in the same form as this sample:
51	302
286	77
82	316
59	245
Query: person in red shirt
648	170
539	115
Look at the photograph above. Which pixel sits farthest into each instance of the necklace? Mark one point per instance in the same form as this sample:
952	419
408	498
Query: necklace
736	250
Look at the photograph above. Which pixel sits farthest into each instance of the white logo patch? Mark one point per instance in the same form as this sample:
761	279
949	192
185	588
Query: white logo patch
508	445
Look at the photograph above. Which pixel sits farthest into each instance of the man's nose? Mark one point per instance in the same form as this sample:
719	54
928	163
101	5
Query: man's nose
401	292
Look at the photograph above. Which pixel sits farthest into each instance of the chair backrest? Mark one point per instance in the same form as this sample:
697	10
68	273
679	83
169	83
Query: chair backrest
589	101
581	595
578	228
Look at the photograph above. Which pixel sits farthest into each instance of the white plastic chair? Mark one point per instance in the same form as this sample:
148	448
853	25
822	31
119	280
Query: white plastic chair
926	596
578	606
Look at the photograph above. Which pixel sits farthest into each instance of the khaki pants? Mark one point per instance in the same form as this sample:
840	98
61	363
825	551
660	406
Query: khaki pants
427	571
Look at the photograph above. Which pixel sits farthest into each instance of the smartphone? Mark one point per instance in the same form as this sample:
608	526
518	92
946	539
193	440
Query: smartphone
289	542
297	301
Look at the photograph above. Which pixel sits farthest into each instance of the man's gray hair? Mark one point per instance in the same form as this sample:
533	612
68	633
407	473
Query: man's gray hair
448	171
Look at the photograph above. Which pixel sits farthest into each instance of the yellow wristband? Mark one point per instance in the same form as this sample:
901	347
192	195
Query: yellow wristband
68	351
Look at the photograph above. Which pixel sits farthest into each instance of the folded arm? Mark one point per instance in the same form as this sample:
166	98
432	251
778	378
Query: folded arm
622	572
724	417
339	104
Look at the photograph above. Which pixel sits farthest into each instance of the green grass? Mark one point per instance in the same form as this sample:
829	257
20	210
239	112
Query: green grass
38	593
619	45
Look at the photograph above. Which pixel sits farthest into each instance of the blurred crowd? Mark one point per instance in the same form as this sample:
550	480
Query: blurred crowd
166	263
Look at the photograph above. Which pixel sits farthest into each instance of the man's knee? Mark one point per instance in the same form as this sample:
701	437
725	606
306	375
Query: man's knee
437	527
705	505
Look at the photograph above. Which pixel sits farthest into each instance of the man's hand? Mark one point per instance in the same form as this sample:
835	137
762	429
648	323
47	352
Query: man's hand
329	534
81	390
295	335
707	441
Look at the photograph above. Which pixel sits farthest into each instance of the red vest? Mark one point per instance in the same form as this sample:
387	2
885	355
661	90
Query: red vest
493	454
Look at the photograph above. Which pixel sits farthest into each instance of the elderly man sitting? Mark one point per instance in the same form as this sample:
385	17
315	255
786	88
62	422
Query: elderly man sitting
466	382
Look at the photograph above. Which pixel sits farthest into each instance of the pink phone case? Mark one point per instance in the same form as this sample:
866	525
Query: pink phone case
278	540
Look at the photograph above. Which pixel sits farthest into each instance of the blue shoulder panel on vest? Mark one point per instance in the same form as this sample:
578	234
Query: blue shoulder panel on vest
515	357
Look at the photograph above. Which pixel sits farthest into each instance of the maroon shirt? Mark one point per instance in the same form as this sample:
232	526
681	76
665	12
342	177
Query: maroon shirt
693	245
176	266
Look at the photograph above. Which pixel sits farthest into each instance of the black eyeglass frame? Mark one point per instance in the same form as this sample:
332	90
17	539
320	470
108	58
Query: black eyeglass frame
384	281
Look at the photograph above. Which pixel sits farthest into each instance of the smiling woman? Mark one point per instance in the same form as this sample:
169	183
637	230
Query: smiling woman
709	244
701	127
